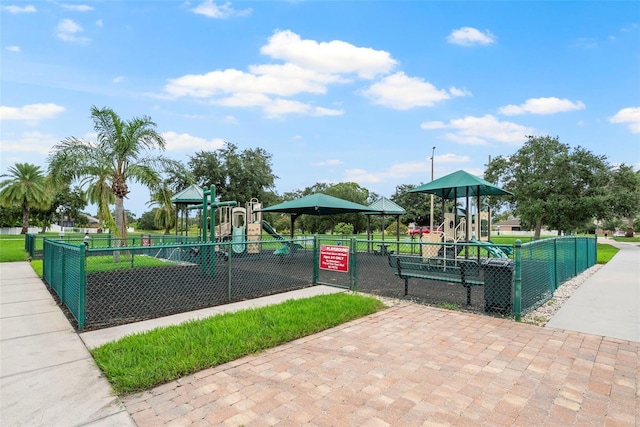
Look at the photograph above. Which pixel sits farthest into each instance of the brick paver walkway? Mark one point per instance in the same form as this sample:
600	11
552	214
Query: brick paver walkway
412	365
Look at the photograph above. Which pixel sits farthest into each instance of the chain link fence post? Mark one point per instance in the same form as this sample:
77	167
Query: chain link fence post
517	285
81	286
316	259
353	248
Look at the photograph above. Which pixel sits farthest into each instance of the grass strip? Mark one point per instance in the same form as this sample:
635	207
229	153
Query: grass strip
12	249
605	252
141	361
107	262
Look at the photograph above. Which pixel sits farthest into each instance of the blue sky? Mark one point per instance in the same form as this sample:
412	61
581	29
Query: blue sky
336	91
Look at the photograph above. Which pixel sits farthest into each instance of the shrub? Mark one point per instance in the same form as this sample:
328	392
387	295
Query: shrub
343	228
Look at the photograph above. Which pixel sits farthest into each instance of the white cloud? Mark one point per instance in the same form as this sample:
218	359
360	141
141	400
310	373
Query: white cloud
629	116
402	170
331	162
252	90
395	172
32	142
76	7
13	48
99	23
20	9
469	36
451	158
184	142
436	124
230	119
480	130
279	107
283	80
210	9
30	112
118	79
336	56
401	92
549	105
454	91
68	30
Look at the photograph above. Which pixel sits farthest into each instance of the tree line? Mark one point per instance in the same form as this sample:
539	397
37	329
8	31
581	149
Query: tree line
553	185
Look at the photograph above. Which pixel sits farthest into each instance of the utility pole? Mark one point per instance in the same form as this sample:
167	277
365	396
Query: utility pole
433	151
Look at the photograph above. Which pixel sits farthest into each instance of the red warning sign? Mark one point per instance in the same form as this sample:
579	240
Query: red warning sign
335	258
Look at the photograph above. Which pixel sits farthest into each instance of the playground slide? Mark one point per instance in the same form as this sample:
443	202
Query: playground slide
495	251
238	236
269	229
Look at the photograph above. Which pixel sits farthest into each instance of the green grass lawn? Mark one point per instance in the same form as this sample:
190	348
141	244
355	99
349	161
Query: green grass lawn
144	360
605	253
107	262
12	248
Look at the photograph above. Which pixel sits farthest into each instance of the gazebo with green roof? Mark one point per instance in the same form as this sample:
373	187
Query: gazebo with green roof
192	195
384	207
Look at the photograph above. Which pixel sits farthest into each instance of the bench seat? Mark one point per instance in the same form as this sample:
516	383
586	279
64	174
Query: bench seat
465	271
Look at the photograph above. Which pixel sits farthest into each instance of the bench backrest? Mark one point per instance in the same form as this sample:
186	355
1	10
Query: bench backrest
449	267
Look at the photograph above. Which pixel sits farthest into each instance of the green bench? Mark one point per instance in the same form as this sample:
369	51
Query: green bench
467	272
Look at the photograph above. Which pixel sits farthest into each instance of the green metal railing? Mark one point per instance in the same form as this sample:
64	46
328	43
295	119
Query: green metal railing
104	286
543	265
64	272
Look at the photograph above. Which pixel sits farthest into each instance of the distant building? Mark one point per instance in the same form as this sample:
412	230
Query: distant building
512	224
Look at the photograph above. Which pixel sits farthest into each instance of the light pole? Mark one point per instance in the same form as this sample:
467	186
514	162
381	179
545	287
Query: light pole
433	152
59	211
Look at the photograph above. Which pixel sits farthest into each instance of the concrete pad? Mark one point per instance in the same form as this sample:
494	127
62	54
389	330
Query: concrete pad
24	286
16	284
120	419
26	295
33	324
608	303
69	394
16	270
21	308
93	339
35	352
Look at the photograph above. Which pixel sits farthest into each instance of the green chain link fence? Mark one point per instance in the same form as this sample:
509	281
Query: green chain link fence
64	272
104	285
547	263
130	283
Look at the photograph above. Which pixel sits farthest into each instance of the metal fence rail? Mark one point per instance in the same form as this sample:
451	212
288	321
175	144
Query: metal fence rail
105	286
547	263
64	272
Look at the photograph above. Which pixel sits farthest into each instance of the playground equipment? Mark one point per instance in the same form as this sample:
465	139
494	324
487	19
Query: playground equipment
241	225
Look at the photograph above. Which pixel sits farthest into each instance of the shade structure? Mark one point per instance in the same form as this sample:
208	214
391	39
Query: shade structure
319	204
460	184
192	195
385	207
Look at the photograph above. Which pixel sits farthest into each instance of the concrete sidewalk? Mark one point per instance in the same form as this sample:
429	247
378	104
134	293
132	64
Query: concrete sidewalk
607	303
47	376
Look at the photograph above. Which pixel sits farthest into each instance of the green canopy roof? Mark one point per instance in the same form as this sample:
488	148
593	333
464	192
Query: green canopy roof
318	204
460	184
190	195
385	206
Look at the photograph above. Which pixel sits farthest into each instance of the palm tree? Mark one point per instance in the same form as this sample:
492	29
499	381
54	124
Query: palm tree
120	154
99	193
165	214
25	187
